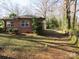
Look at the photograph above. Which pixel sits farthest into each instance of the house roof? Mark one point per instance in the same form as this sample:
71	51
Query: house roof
22	17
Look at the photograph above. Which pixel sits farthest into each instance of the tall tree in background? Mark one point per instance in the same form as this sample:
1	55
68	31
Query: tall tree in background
74	15
67	12
71	21
74	22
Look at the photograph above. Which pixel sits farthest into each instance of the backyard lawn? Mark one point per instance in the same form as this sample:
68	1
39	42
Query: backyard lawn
33	46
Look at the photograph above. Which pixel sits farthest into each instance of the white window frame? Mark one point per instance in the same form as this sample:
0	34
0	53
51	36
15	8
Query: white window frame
8	24
24	23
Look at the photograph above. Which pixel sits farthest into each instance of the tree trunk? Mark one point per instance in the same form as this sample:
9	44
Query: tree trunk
68	17
74	22
74	15
4	25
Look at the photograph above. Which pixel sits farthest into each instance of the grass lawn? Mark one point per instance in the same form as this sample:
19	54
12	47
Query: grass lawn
25	41
18	41
32	47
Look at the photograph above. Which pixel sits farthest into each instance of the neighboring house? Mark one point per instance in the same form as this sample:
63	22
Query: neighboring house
22	23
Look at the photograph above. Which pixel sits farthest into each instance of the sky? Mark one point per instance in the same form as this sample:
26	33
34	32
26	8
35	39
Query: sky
23	2
20	2
26	3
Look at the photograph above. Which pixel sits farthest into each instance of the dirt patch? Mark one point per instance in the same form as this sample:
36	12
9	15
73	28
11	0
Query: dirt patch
50	53
53	54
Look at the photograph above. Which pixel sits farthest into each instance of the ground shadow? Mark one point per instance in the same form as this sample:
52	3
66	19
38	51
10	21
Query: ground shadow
31	37
40	42
49	33
5	57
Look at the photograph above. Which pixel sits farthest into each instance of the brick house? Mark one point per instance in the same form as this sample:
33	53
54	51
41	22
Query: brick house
22	23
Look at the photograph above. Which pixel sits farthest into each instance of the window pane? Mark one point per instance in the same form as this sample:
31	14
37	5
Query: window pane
24	23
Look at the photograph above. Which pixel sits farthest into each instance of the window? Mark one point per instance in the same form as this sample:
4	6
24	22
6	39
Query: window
24	23
9	24
12	24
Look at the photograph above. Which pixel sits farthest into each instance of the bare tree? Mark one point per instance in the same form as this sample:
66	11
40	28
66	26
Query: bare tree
11	7
44	7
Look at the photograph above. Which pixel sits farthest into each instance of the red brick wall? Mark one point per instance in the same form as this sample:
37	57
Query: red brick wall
23	30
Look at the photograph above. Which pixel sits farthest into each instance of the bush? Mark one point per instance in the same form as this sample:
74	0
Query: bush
1	24
39	29
52	23
16	31
1	30
37	26
10	30
13	30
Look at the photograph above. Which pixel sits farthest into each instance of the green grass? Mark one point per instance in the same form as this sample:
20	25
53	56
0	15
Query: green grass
77	57
17	41
14	40
28	41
